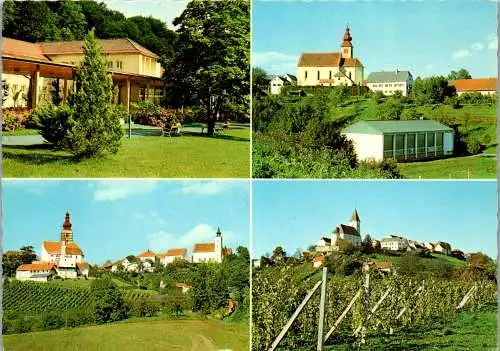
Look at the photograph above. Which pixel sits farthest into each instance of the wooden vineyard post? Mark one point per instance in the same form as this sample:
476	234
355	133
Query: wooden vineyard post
467	297
374	309
322	308
293	317
366	305
420	288
337	322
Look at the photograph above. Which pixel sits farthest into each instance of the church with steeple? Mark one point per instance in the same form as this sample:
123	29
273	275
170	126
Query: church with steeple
350	233
331	68
63	258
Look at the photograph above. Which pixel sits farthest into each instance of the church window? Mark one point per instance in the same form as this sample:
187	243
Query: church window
318	74
305	75
330	75
349	75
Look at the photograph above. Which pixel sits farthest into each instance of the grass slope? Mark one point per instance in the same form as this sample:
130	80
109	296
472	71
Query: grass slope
187	156
144	335
473	167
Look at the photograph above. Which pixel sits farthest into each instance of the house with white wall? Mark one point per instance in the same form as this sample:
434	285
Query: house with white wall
277	82
388	82
484	86
408	140
393	243
171	255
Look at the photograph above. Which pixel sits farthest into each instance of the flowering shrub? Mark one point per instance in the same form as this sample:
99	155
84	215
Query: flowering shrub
147	113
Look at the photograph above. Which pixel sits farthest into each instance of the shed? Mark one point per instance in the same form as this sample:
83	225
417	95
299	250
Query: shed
401	140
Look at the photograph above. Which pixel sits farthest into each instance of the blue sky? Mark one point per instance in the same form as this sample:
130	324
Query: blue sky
112	219
165	10
295	214
426	37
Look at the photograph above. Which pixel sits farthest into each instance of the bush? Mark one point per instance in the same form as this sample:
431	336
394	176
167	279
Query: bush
54	122
147	113
144	307
389	110
52	320
473	145
410	114
10	123
453	101
109	305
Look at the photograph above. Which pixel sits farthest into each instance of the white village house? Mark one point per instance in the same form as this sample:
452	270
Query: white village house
394	243
277	82
484	86
401	140
63	258
388	82
172	255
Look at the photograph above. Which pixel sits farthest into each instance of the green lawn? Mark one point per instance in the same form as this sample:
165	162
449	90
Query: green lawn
207	335
473	167
21	132
188	156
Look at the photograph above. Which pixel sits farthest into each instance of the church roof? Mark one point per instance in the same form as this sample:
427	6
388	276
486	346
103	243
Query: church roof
326	59
54	248
201	248
347	229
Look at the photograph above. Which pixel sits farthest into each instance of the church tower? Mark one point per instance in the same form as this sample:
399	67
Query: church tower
67	232
355	221
218	246
346	45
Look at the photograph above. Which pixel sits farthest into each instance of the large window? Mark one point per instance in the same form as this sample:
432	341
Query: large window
410	146
439	144
430	144
400	146
421	145
388	146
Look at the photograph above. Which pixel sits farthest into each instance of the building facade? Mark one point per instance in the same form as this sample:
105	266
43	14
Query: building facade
35	72
331	68
393	243
209	252
401	140
173	254
388	82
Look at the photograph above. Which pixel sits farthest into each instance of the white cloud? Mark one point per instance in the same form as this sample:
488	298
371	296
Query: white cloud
477	46
201	233
121	189
210	187
493	44
150	217
460	54
274	62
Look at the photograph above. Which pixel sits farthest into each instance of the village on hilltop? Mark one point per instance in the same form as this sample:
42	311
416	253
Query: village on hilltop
65	259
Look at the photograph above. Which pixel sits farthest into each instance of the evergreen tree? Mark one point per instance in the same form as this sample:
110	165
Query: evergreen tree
96	122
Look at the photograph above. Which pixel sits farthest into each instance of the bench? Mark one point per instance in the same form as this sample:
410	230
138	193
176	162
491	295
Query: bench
175	128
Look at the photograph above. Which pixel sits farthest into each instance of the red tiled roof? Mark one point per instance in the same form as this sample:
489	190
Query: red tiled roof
326	59
54	248
383	265
199	248
39	266
22	49
147	253
477	84
109	46
82	265
229	251
319	259
176	252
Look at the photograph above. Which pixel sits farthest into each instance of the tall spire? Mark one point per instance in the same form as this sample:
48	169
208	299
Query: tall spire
67	232
355	216
218	233
346	40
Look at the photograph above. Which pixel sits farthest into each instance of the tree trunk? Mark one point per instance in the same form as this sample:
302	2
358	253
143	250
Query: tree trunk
211	125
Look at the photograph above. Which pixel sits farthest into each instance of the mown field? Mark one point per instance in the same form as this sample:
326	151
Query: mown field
195	335
188	156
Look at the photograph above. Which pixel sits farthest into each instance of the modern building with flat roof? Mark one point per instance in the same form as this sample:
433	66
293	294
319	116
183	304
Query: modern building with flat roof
401	140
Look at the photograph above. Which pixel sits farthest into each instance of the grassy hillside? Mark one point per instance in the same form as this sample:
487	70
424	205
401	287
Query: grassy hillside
140	335
426	262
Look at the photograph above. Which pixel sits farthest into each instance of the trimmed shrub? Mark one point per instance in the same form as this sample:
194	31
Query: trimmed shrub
54	122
